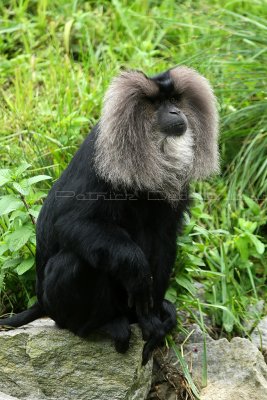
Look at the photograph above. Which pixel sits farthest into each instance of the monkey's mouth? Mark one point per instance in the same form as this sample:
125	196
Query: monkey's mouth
171	120
176	129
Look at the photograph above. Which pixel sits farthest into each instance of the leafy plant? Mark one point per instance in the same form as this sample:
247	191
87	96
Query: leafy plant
20	203
226	257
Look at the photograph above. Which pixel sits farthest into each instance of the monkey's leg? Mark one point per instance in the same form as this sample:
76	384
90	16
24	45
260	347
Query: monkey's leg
168	315
120	331
153	332
155	329
108	248
77	296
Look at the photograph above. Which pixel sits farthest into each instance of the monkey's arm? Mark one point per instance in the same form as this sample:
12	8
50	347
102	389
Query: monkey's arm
109	247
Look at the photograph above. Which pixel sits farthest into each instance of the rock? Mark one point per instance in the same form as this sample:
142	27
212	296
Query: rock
39	361
259	337
254	312
4	396
236	369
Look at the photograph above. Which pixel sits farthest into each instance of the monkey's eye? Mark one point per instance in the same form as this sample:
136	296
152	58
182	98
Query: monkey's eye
176	97
154	101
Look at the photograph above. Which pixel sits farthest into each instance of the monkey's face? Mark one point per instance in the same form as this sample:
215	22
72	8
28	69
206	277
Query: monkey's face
158	132
170	119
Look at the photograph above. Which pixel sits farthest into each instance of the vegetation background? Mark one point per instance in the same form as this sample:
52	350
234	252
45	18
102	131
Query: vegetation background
56	61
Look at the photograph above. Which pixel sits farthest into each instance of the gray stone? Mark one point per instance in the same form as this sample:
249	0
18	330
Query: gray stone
4	396
39	361
235	370
259	336
254	313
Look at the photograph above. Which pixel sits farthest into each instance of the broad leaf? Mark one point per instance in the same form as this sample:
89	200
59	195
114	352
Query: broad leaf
25	266
11	263
171	295
247	226
9	203
18	238
186	283
259	246
38	178
5	176
21	187
23	167
34	213
3	248
252	205
196	260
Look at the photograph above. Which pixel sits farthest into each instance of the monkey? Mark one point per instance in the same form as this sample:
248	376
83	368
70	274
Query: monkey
107	231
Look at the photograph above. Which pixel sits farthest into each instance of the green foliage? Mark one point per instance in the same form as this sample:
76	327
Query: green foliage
224	252
20	203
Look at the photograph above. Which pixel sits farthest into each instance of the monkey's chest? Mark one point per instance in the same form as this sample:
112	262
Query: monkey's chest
150	225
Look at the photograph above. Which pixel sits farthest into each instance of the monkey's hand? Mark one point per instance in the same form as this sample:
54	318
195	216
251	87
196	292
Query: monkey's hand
137	279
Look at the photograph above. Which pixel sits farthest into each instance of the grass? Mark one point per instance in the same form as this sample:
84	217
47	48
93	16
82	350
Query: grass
56	61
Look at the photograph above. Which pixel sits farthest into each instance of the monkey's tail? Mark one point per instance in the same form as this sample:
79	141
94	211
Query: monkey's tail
24	317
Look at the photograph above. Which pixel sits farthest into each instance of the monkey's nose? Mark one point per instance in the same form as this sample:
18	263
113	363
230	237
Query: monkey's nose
174	110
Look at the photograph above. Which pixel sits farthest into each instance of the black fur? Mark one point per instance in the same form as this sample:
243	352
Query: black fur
97	252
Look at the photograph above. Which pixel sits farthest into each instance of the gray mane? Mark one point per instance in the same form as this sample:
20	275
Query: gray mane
132	153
